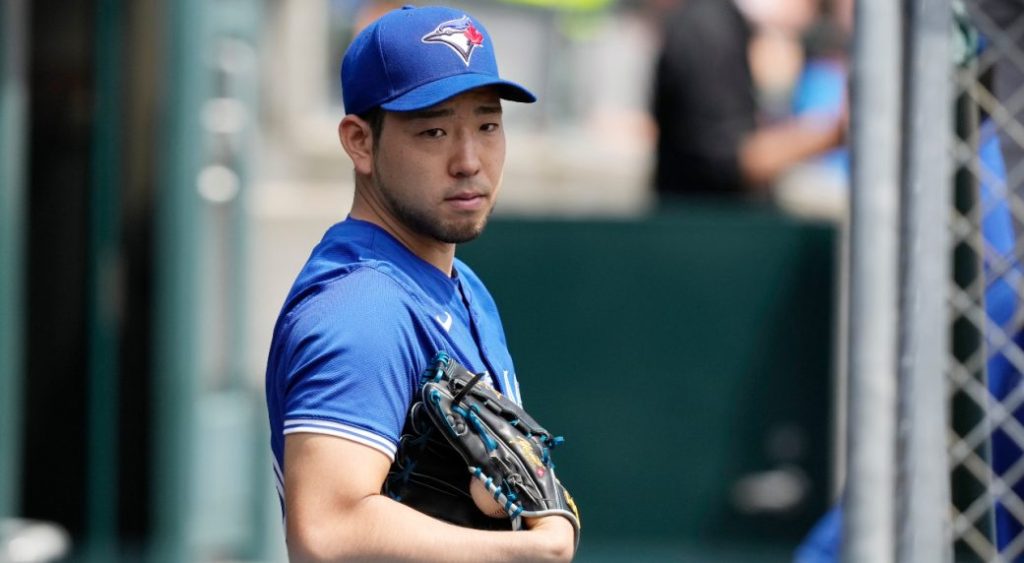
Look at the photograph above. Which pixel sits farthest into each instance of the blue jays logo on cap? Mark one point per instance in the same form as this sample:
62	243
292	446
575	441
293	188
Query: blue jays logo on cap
458	34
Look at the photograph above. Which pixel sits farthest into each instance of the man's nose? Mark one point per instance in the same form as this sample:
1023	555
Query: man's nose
465	159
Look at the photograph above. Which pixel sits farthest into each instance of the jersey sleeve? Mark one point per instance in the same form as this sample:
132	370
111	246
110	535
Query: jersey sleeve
351	357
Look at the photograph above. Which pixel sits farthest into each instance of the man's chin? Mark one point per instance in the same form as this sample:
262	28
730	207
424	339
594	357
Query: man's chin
458	234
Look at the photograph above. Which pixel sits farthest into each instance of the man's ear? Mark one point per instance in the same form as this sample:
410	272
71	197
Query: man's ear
357	139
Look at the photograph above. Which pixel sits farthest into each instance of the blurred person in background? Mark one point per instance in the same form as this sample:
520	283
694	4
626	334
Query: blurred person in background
716	132
819	185
383	292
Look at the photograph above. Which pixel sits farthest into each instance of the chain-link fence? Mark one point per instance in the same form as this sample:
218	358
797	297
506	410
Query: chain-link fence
897	332
895	240
986	452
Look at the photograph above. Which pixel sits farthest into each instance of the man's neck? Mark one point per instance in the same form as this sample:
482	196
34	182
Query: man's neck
439	254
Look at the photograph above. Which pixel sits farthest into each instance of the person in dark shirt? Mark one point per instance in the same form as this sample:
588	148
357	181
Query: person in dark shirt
710	139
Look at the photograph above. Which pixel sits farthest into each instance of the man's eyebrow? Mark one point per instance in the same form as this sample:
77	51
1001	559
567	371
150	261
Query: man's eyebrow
448	112
431	113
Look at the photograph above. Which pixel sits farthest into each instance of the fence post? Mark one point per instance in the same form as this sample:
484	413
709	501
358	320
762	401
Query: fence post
868	526
101	535
923	488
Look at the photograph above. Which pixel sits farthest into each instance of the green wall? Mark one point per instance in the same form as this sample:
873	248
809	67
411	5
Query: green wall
676	354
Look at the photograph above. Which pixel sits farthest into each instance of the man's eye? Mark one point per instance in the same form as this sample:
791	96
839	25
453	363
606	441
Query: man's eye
489	127
433	133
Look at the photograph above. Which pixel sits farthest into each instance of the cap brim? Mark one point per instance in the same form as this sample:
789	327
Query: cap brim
435	92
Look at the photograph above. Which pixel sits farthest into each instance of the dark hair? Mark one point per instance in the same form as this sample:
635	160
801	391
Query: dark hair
375	118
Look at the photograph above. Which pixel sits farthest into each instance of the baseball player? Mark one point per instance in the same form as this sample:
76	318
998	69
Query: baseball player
382	293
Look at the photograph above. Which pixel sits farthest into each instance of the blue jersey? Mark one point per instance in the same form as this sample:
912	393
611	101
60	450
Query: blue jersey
362	321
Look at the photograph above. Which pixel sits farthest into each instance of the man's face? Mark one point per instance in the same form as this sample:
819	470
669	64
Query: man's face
438	170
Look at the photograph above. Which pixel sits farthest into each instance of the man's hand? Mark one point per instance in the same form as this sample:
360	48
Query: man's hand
557	532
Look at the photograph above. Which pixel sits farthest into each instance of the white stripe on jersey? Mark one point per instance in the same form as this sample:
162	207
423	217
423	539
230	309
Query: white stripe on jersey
278	477
512	388
365	437
280	491
278	481
277	469
509	392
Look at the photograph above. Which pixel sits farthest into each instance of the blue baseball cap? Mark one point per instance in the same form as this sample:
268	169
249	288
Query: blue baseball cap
414	58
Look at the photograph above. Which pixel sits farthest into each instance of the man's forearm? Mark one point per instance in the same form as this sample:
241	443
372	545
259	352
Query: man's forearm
769	151
377	528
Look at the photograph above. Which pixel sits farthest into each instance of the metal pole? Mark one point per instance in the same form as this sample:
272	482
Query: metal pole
104	284
924	533
176	328
13	109
868	524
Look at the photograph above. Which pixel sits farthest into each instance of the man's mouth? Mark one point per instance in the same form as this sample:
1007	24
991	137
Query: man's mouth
467	200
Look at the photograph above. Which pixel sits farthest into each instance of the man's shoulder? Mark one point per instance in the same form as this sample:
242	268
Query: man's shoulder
364	312
370	288
706	23
346	269
696	12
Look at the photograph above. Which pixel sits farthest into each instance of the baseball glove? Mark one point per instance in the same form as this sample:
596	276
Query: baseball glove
501	445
